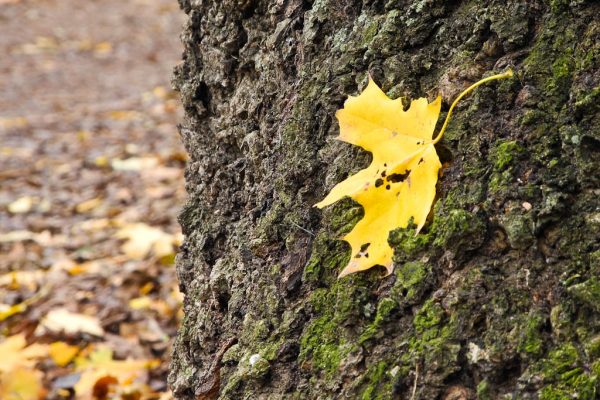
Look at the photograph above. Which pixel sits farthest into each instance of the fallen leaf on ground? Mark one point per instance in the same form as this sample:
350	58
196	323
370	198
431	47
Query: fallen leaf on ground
88	205
96	224
146	302
124	115
62	320
103	48
16	236
18	122
133	163
16	279
21	205
101	374
22	384
142	239
44	238
62	353
7	311
16	353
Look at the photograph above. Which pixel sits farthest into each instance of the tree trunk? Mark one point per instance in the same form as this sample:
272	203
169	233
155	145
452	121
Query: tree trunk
497	298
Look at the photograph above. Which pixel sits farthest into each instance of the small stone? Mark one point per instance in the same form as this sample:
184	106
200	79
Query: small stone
526	205
254	359
259	366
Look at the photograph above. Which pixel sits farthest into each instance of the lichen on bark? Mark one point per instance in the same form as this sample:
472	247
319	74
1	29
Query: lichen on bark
496	298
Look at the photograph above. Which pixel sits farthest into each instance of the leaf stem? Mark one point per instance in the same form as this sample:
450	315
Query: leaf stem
503	75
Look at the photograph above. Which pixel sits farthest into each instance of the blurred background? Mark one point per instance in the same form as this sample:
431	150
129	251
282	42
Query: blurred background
91	180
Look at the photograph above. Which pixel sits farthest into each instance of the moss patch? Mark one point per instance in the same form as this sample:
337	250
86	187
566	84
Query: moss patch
384	309
588	292
410	279
566	377
323	343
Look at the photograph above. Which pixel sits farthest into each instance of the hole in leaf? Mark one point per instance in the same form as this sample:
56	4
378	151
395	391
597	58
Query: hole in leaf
362	251
395	178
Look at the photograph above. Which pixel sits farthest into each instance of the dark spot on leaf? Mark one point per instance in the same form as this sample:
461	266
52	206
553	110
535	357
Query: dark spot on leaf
420	161
367	255
378	182
364	247
383	174
387	187
395	178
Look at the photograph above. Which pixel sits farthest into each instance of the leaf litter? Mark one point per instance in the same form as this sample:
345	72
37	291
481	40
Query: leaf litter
91	173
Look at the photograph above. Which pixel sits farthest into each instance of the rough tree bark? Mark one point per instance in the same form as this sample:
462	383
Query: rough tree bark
498	298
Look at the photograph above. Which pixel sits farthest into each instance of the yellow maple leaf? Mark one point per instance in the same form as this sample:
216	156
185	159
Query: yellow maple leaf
399	185
62	353
15	353
101	374
18	378
143	239
22	384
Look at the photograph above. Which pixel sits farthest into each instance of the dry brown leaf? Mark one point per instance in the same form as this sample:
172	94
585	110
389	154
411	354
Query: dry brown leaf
103	48
124	115
18	122
88	205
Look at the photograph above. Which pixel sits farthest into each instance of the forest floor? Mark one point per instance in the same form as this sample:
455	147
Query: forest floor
91	181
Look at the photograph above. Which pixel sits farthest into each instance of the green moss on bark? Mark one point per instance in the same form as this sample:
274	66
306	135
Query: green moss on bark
565	376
